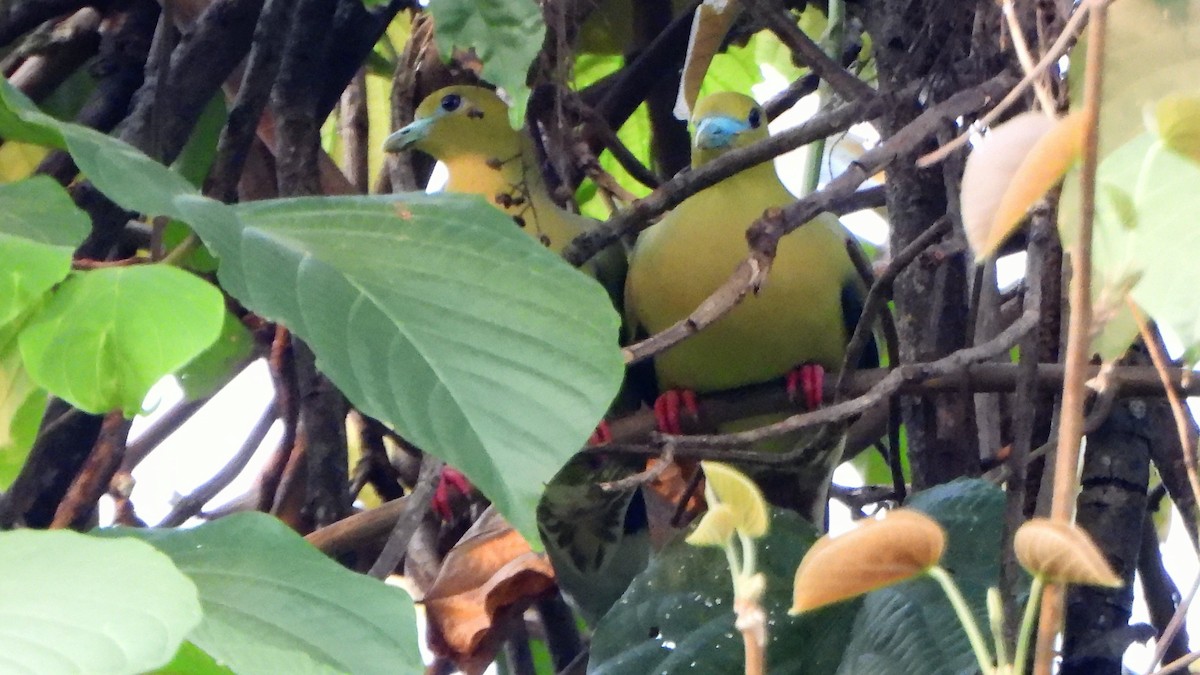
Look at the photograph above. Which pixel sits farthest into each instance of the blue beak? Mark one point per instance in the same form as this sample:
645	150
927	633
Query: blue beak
403	139
718	131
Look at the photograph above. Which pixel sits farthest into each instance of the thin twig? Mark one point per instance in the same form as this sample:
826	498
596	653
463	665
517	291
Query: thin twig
763	235
359	529
1181	415
878	295
643	477
95	474
1176	623
408	521
890	384
193	503
1050	58
839	79
1070	433
1021	47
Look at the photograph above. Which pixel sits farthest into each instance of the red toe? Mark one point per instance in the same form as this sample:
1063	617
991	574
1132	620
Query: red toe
602	435
668	407
450	482
808	379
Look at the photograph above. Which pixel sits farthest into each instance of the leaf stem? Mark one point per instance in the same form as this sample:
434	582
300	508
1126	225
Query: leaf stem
966	618
1031	607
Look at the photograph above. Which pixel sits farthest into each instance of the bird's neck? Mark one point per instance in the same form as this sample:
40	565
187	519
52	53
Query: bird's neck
757	179
509	178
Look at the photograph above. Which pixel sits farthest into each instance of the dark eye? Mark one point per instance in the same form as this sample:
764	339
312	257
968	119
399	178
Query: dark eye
450	102
755	118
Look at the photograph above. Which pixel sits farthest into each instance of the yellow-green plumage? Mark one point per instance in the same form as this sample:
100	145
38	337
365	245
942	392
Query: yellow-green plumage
803	314
467	129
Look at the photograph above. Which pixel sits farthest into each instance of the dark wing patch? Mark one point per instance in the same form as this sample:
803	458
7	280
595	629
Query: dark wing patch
852	309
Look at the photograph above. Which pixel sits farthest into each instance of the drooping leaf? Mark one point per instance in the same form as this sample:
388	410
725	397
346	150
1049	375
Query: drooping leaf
490	575
432	313
910	627
710	23
131	178
877	553
715	528
1009	170
506	36
274	604
107	335
39	229
677	616
1062	553
74	603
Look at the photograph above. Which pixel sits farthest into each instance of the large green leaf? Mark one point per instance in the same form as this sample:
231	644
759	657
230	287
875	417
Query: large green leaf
106	336
274	604
910	627
126	175
677	616
432	312
505	34
1149	195
39	229
21	404
70	603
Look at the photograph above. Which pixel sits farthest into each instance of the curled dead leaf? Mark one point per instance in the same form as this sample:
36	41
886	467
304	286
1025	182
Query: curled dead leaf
1010	169
488	578
709	25
1062	553
878	553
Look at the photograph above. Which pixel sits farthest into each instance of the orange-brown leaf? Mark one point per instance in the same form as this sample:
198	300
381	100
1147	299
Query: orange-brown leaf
878	553
1062	553
1012	168
490	576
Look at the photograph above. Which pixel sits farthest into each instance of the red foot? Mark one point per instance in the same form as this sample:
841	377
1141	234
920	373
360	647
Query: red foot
809	379
668	406
451	481
602	435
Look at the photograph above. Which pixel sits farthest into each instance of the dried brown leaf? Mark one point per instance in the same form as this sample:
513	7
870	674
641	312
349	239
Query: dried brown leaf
1062	553
1012	168
488	578
878	553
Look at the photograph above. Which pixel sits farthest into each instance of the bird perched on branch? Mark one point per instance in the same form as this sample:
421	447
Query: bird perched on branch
466	128
796	327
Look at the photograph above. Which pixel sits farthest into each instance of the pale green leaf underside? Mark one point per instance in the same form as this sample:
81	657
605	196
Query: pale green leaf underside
39	229
70	603
107	335
274	604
